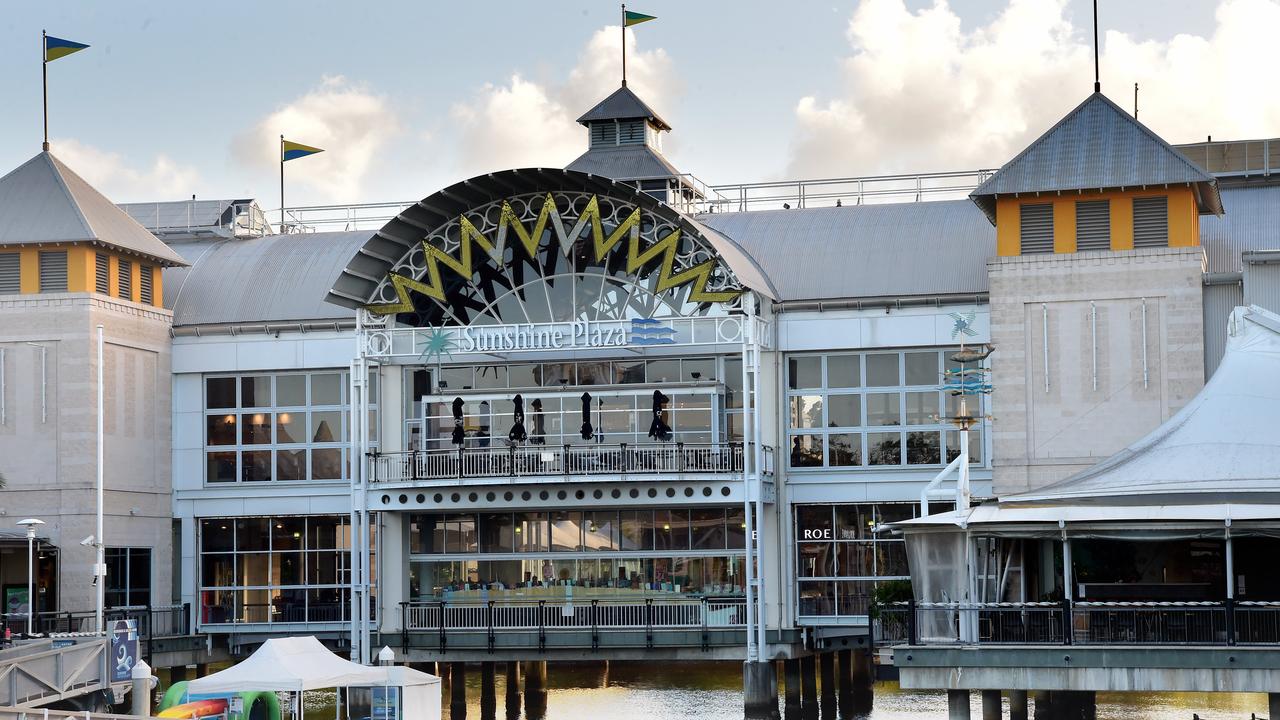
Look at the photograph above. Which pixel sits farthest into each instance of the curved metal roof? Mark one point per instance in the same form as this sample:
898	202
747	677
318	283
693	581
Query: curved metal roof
368	266
272	279
1096	146
866	251
43	201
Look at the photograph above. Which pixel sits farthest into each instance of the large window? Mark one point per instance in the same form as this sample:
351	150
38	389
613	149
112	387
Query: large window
279	427
128	577
875	409
841	554
592	553
275	569
696	412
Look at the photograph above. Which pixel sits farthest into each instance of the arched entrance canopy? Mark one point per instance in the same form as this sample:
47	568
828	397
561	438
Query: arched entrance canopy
538	245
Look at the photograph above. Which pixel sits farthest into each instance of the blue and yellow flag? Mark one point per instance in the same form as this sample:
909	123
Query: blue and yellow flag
290	150
634	18
55	48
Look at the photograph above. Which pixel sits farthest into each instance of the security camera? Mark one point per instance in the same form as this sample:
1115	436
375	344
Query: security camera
87	542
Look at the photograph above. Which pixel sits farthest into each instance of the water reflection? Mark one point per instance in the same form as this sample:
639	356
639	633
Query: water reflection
713	691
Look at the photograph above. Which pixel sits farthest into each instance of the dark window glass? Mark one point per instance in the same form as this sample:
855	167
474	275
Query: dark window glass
291	465
255	391
326	464
255	428
216	535
817	598
844	371
287	532
882	370
220	430
497	533
924	448
671	529
322	533
220	392
600	530
853	522
922	368
884	448
844	449
736	528
532	532
252	533
707	526
256	466
217	570
326	389
220	467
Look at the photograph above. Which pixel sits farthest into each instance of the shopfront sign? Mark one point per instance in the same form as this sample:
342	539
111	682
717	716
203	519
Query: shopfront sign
441	344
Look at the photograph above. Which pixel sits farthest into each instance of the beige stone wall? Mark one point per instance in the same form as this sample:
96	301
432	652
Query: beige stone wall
1093	303
51	466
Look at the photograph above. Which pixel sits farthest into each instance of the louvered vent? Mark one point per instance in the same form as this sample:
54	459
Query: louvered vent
53	271
1093	225
1037	229
144	285
631	132
1151	222
102	273
604	134
125	279
10	274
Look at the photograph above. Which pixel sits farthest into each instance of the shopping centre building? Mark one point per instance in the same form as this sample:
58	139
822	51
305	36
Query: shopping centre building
550	407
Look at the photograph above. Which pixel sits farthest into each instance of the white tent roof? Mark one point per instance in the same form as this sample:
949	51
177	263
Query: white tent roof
294	664
1223	443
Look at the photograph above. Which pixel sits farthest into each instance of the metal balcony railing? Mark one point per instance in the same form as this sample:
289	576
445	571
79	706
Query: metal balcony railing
565	461
1083	623
153	621
653	616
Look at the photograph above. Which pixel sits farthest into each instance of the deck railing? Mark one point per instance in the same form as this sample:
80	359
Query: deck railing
543	461
1083	623
153	621
652	616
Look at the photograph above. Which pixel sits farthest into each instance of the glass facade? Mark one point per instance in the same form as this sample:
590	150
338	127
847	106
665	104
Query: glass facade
696	412
590	553
874	410
840	556
279	427
286	569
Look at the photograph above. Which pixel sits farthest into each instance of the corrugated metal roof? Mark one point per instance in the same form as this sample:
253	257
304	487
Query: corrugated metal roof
623	105
1251	222
864	251
624	162
43	201
1097	145
277	278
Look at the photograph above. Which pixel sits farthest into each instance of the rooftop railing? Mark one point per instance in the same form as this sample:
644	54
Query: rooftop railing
690	195
1235	157
1223	623
562	461
153	621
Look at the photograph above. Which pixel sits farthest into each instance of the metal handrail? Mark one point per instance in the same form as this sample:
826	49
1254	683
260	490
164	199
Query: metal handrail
589	615
563	461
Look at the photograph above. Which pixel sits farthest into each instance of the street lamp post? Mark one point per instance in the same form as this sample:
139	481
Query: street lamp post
30	524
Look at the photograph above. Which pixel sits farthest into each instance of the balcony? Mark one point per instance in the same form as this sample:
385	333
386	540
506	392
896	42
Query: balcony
1224	623
567	462
641	622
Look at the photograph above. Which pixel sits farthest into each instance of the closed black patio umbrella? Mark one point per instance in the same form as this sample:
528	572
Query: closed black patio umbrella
517	434
539	424
587	430
659	430
458	434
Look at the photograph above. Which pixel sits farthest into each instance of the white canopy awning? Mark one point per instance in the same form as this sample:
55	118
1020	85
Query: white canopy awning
294	664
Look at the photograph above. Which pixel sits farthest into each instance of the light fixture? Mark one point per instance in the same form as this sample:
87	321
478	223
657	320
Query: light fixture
257	418
229	420
666	527
285	418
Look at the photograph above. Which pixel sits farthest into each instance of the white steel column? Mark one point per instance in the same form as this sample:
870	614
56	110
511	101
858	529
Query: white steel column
1229	551
748	459
757	465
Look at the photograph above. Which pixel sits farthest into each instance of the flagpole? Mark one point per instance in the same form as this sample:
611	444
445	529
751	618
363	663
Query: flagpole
44	84
624	44
281	184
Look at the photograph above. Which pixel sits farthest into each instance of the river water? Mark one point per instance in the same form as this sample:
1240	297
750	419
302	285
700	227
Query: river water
713	691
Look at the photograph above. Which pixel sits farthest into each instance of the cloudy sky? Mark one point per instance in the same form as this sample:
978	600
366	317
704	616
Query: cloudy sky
407	96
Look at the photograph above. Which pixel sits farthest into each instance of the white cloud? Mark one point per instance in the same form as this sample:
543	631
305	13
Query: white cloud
112	175
348	121
921	93
523	123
